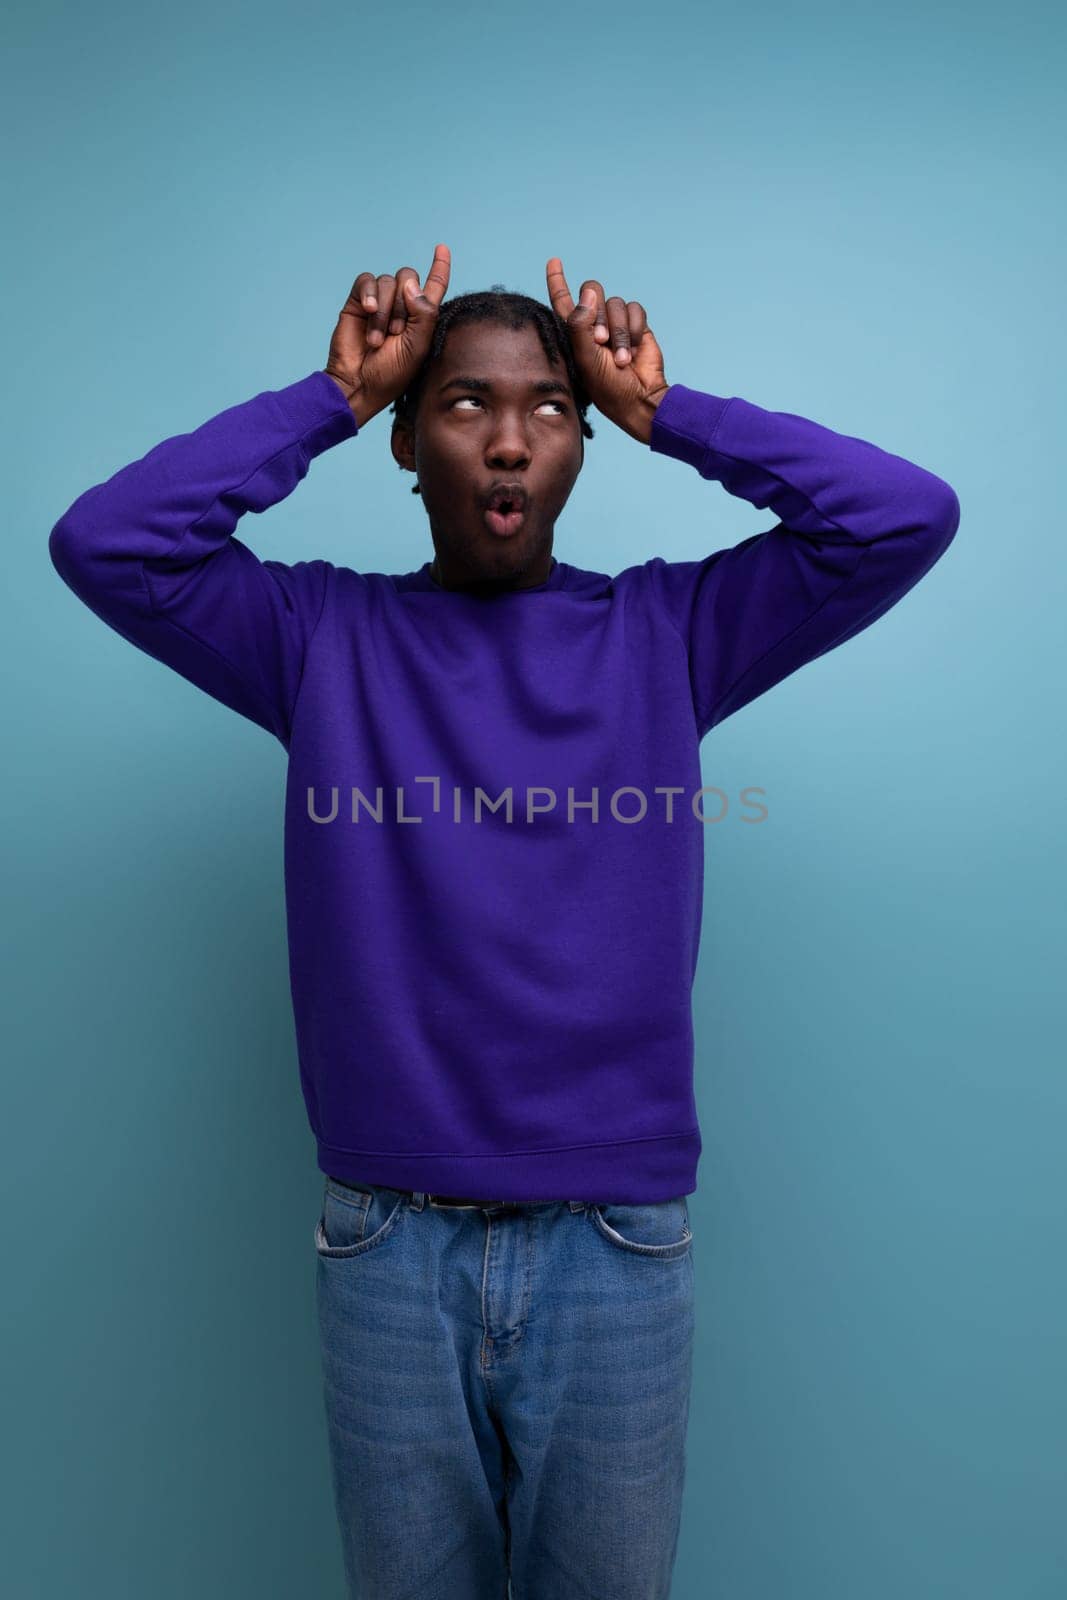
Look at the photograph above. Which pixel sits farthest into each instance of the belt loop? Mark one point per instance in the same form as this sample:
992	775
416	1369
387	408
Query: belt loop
418	1200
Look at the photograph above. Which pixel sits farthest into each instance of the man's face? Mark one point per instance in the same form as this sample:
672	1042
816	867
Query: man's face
469	438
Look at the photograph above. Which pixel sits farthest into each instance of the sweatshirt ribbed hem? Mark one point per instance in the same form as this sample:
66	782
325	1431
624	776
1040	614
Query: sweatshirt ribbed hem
632	1172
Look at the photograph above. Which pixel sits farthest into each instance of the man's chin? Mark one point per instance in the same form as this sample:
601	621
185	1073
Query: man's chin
501	563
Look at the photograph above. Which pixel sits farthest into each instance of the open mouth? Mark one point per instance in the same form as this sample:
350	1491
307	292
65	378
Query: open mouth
505	512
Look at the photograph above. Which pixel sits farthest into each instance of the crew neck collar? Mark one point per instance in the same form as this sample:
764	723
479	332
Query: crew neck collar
425	580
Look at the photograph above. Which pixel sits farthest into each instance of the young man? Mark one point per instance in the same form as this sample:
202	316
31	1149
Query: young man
494	875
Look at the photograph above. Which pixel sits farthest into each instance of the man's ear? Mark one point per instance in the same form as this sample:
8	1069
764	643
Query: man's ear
402	444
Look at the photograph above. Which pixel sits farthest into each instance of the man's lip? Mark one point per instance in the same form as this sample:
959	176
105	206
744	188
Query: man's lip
518	498
514	522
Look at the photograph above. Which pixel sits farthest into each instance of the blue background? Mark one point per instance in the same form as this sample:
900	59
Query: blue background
853	213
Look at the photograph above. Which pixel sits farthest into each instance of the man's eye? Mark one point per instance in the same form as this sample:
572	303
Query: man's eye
477	401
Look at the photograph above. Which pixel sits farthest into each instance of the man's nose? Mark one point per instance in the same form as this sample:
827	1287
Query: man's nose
508	442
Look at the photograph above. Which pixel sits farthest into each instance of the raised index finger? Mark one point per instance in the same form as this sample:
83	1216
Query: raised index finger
558	292
437	277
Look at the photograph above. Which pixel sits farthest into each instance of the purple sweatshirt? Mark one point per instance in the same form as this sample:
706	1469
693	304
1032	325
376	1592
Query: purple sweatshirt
493	834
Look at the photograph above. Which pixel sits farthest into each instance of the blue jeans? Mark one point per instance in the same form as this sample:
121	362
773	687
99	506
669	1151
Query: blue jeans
507	1393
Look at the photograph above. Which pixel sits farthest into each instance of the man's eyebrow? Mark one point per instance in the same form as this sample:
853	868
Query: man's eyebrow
539	386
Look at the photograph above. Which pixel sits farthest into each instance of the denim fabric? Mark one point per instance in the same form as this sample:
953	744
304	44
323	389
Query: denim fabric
507	1394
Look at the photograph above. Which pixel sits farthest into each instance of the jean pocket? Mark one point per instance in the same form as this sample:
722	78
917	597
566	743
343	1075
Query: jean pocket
356	1219
651	1228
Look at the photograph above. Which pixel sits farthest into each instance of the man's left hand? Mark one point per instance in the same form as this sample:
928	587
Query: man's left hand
615	352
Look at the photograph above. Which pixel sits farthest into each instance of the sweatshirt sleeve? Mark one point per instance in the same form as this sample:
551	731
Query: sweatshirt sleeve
858	527
152	550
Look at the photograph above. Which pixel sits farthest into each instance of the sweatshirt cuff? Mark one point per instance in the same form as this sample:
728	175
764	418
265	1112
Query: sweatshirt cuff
684	423
318	412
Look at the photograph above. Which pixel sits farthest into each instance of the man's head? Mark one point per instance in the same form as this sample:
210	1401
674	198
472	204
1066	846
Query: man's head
522	424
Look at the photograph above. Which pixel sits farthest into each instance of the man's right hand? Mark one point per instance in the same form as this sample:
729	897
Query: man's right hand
383	334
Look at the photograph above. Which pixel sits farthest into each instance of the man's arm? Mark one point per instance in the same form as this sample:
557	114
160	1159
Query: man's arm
152	550
858	528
